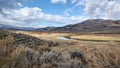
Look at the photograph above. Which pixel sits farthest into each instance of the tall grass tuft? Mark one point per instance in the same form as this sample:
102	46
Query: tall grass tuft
5	50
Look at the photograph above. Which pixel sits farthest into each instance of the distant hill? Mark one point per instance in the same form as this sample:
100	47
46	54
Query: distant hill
4	26
46	29
88	26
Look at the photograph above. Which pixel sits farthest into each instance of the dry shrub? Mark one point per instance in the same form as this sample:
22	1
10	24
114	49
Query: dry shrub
46	57
10	57
5	50
105	58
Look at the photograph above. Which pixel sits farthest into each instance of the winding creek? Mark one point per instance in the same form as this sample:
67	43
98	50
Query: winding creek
64	38
67	38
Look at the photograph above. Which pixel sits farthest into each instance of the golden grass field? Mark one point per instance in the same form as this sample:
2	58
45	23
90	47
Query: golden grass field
96	37
84	37
97	54
45	36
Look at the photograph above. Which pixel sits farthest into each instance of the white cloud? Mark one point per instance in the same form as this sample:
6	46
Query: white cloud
59	1
21	17
33	17
26	16
109	9
19	4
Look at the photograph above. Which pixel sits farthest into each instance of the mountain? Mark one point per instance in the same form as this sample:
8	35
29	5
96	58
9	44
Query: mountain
88	26
46	29
4	26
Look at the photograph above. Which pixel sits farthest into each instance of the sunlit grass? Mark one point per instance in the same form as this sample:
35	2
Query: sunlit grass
85	54
96	38
5	49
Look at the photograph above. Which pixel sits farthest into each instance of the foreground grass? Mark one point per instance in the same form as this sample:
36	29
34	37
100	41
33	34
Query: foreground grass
40	57
73	56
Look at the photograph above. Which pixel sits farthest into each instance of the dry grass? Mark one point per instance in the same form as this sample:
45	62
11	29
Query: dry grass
8	54
44	56
101	56
84	37
96	38
76	56
45	36
105	58
82	55
5	50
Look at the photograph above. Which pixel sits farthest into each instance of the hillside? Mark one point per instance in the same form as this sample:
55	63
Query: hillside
27	40
91	25
87	26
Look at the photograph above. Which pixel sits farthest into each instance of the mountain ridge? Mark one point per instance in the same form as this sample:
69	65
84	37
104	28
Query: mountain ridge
88	26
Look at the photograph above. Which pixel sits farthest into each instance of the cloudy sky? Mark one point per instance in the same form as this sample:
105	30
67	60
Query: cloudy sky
42	13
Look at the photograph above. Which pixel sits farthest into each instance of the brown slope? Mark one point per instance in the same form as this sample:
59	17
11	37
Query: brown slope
92	25
26	40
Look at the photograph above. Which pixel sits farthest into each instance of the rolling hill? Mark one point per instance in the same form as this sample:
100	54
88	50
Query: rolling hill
88	26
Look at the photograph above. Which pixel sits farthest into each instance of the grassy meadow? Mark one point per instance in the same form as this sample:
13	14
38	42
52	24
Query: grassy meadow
95	37
81	54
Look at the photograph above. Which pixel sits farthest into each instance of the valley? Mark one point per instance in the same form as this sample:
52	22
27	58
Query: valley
59	33
74	37
60	49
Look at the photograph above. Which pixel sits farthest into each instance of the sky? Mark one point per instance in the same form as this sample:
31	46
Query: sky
57	13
